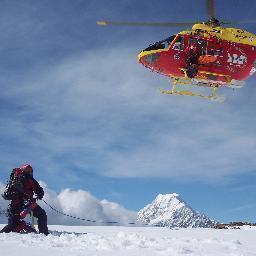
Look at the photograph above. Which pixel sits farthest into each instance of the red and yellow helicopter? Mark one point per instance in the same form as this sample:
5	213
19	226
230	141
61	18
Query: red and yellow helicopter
226	56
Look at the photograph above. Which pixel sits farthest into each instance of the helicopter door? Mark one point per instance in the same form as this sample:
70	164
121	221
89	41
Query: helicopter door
201	45
178	44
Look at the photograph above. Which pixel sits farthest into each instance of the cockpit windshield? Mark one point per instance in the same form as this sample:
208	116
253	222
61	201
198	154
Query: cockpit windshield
164	44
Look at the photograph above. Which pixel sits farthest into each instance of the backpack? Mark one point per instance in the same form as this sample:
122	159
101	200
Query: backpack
14	187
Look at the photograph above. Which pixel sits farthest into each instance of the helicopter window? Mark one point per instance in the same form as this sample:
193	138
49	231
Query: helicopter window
155	46
179	44
164	44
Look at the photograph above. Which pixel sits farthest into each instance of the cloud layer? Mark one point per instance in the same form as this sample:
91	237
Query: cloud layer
81	204
99	113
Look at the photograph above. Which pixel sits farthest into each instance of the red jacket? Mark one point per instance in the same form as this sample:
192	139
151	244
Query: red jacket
23	187
31	187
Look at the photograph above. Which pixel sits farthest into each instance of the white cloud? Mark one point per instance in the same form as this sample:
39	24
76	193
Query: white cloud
100	111
81	204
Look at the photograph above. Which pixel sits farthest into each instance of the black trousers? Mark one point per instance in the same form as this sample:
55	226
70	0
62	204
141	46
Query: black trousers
13	217
40	214
14	220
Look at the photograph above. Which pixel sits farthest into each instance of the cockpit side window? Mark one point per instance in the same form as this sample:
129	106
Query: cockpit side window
179	44
164	44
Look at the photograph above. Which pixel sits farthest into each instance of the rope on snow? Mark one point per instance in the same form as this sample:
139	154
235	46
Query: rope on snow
84	219
5	212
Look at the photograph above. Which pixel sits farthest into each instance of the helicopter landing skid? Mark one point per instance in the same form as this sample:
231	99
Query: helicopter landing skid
212	96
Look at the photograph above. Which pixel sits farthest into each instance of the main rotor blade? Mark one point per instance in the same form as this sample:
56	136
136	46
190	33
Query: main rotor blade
242	21
239	22
210	8
147	24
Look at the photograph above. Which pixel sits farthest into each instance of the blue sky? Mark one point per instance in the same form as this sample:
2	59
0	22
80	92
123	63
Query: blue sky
77	105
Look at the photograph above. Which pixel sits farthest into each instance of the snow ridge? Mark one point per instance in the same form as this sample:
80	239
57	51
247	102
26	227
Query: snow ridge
171	211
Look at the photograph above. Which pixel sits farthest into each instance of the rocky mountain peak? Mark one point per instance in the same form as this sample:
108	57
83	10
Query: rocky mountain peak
170	210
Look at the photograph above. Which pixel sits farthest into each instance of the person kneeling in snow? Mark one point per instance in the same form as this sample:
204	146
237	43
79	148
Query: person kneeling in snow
20	190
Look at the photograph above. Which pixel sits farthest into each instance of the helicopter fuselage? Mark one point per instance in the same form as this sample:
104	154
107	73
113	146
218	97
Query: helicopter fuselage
234	49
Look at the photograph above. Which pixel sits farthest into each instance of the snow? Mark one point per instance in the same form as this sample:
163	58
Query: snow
119	240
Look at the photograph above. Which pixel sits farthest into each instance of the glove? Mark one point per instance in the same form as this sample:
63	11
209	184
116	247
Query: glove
39	193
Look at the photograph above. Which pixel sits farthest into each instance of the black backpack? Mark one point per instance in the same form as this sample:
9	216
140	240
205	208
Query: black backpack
14	187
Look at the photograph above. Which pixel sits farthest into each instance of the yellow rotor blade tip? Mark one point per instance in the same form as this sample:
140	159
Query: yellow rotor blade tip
101	23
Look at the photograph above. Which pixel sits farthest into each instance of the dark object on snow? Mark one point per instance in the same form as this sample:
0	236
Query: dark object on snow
233	225
21	189
16	224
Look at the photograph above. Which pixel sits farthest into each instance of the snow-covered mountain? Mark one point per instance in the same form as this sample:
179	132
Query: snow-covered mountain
171	211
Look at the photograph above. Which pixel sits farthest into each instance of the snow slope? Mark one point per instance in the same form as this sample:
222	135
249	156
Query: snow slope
124	241
171	211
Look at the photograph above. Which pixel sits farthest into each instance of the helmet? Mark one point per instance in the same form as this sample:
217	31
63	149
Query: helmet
27	168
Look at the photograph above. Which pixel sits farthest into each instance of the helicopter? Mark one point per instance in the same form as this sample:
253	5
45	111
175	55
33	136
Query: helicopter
222	57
